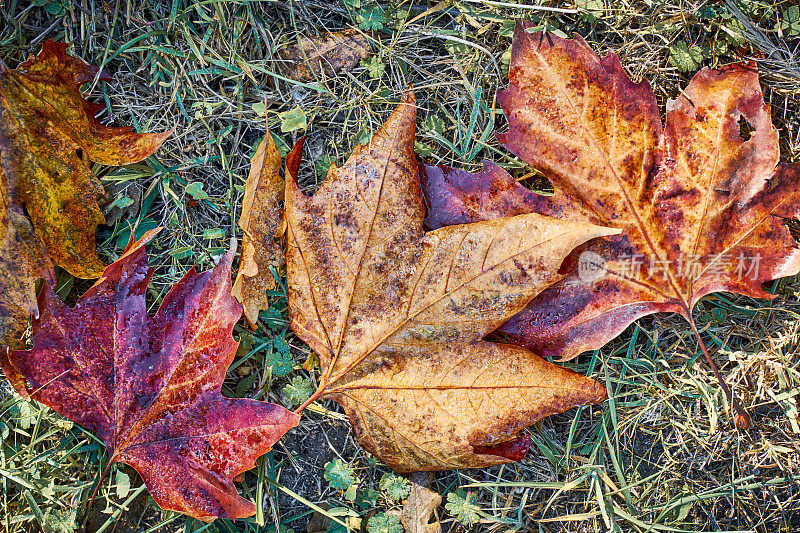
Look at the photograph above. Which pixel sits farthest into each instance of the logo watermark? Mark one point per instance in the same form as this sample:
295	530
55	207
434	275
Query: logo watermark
591	266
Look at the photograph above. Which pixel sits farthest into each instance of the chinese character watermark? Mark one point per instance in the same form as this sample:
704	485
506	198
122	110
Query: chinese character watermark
593	267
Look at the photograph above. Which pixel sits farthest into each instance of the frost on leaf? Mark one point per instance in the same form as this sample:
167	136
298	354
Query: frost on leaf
701	201
397	315
261	222
324	55
150	387
48	194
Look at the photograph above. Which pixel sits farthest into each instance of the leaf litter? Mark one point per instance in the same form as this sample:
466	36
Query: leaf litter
643	59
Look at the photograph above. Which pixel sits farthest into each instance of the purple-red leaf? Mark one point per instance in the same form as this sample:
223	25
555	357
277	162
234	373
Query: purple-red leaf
150	387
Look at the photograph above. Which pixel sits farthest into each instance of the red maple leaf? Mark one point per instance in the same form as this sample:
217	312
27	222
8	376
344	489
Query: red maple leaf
150	387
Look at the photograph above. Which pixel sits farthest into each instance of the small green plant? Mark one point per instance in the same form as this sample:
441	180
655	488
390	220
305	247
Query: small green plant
374	66
370	18
789	24
462	508
685	57
298	391
339	474
423	149
396	487
293	120
279	359
195	190
56	8
384	523
433	124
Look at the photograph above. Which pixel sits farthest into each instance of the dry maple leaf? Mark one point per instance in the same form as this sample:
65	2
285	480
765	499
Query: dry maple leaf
419	507
260	221
48	194
324	55
397	315
701	207
150	387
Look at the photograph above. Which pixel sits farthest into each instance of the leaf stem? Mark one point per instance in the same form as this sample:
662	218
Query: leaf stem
742	420
323	387
94	492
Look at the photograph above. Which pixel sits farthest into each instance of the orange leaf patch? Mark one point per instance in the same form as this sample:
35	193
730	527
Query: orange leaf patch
48	194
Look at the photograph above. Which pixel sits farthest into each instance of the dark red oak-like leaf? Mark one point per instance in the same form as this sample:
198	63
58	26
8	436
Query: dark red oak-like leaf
150	387
701	204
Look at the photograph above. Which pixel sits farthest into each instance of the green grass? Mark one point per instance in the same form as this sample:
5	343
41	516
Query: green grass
661	455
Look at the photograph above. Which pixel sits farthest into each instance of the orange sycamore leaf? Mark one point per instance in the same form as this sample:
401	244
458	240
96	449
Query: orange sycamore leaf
701	206
397	315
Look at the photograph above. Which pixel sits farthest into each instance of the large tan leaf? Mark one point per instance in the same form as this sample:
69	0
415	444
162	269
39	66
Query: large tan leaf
48	194
397	315
261	222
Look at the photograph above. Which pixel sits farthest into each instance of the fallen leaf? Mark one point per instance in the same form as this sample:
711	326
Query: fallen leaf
324	55
48	198
418	510
293	120
261	222
397	315
150	387
701	207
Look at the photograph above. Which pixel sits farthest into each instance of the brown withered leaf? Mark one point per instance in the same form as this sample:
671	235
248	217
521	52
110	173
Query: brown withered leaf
48	194
150	387
701	204
397	316
323	55
418	510
262	222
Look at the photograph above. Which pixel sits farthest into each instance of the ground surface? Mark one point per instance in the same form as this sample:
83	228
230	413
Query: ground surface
662	455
